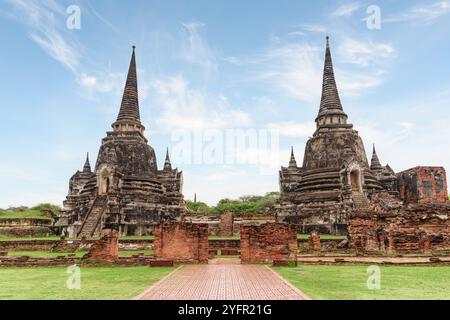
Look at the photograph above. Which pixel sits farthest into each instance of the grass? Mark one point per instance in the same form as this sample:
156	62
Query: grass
43	254
129	253
27	214
112	283
235	237
80	253
29	238
350	282
322	236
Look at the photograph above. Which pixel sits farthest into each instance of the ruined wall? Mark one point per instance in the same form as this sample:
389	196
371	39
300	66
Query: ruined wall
107	248
268	242
415	229
226	224
182	242
25	227
423	185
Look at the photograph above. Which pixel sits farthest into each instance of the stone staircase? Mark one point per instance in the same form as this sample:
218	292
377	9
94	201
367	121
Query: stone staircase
360	201
93	217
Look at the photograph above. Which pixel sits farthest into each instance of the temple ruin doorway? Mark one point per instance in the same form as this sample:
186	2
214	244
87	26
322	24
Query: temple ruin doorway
104	182
355	180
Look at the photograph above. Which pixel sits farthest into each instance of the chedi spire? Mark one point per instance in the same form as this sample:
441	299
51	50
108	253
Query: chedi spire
331	111
129	116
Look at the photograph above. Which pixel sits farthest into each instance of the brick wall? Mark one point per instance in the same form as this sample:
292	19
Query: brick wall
423	185
268	242
107	248
182	242
415	229
226	224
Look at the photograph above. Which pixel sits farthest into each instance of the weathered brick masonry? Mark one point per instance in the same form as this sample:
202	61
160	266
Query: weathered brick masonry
226	224
182	242
419	228
107	248
423	185
268	242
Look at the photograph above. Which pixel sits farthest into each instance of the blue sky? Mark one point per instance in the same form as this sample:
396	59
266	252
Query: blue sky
223	65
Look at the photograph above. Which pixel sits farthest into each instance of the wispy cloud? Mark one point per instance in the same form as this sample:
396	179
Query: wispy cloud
296	68
347	9
195	50
293	129
364	53
40	19
421	13
314	28
190	109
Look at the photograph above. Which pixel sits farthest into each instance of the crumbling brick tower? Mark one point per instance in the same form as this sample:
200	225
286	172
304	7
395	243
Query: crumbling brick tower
335	177
126	188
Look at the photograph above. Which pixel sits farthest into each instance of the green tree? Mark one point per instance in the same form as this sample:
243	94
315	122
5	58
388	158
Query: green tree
198	207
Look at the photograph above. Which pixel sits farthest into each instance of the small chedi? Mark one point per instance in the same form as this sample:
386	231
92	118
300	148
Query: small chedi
336	178
126	191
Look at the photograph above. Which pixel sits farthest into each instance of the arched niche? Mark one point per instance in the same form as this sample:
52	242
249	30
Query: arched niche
104	180
355	177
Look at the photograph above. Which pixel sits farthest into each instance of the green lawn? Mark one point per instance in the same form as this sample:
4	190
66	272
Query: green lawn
96	283
322	236
29	238
235	237
34	214
47	254
350	282
43	254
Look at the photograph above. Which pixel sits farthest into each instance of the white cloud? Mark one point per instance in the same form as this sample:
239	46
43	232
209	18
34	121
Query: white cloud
296	68
314	28
39	18
195	50
364	53
293	129
421	13
103	82
221	183
186	108
347	9
31	199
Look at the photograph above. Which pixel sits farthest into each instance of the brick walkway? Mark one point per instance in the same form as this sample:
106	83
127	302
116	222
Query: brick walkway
222	280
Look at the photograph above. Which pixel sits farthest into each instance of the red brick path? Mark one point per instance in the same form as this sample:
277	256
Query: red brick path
222	280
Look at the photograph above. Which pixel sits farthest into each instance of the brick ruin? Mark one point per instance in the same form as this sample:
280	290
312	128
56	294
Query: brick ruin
389	227
314	242
336	179
226	224
262	243
182	242
105	249
126	185
423	185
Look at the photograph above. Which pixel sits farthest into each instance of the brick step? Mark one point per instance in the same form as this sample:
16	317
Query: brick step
360	201
91	221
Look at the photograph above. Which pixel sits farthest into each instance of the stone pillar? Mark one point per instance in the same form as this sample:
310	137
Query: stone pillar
107	248
314	242
226	224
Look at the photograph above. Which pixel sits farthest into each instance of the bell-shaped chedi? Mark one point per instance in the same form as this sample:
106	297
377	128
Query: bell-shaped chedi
126	191
335	177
